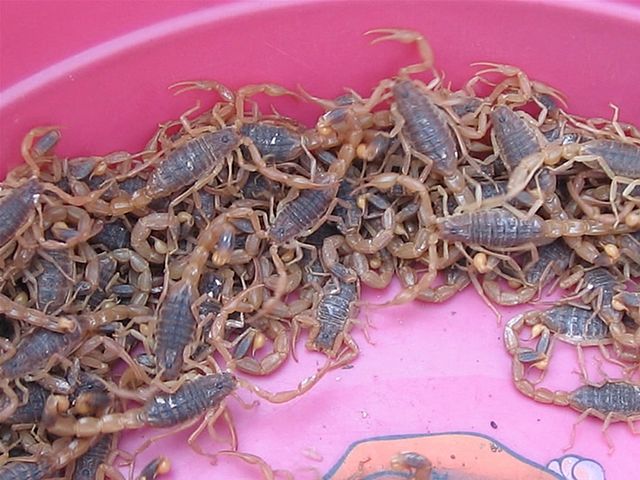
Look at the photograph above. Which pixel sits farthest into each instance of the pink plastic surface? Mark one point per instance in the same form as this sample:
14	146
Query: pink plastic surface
433	368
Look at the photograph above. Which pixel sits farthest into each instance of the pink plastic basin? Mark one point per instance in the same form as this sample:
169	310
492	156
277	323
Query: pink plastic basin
102	74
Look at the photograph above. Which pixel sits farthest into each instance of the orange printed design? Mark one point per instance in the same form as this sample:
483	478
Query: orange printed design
451	456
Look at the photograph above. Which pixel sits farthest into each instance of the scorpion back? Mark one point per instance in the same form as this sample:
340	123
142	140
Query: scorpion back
16	207
609	398
301	214
192	399
426	126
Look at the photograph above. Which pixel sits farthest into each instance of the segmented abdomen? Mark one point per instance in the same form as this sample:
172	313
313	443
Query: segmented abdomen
601	279
36	349
175	328
576	323
113	235
558	252
491	228
277	143
515	138
194	398
190	162
24	471
53	283
611	397
87	465
16	207
622	158
333	313
301	214
426	127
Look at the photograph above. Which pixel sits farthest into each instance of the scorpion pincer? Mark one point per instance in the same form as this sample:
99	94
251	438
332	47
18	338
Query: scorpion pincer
553	261
568	323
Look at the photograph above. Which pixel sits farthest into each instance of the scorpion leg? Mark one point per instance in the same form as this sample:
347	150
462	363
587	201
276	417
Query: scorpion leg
155	438
120	352
208	423
473	277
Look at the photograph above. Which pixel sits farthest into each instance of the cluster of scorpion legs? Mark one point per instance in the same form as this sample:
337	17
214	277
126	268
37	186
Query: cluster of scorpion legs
201	260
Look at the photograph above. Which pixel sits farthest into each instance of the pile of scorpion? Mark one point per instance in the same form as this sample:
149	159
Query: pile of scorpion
143	289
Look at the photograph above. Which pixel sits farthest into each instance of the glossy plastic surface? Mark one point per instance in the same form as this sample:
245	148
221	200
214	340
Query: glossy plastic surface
432	368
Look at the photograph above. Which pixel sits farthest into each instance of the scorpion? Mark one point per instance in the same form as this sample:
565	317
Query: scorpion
193	161
333	316
609	401
425	126
501	228
203	395
597	287
177	319
42	348
615	158
234	230
515	140
568	323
